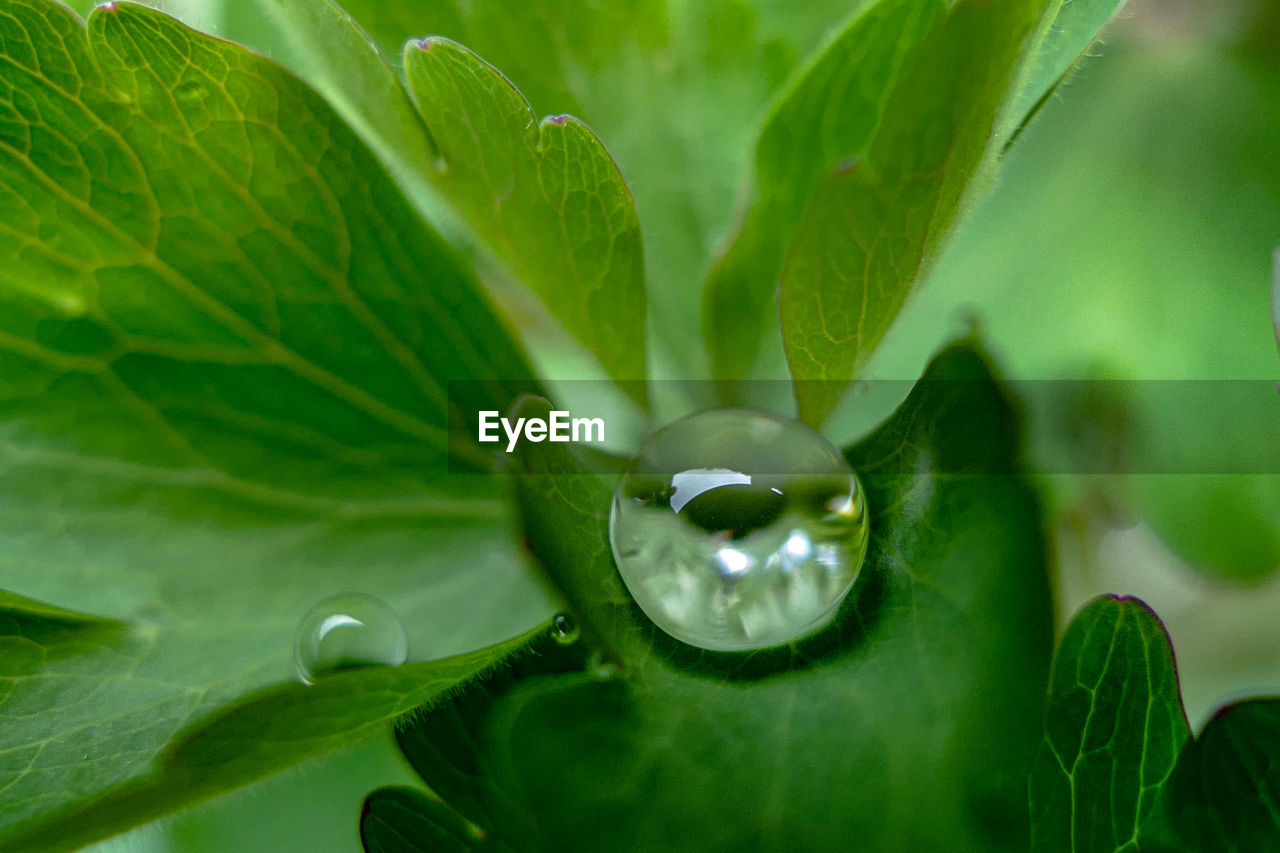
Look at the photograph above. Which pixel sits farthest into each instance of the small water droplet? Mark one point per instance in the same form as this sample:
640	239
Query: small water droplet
348	630
565	630
736	530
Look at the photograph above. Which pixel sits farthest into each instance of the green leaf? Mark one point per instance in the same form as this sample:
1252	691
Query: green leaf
545	196
675	90
275	728
565	225
320	42
19	606
444	745
1225	791
829	119
1064	42
225	340
907	724
871	230
1112	731
398	819
829	115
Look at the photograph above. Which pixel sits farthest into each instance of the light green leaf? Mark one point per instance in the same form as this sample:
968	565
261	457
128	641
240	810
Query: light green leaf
320	42
828	116
1064	42
545	196
1112	732
275	728
907	724
20	606
566	225
871	230
224	346
674	90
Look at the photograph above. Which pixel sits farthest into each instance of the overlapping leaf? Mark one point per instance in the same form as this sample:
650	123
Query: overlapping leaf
861	167
545	195
871	229
904	725
1225	791
545	198
225	342
1117	770
1113	729
274	728
827	118
674	90
1073	26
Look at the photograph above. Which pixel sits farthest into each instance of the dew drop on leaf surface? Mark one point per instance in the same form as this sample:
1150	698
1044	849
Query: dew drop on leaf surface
348	630
736	530
564	629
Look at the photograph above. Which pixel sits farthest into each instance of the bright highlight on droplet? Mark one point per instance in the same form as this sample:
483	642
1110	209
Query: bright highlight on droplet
348	630
736	530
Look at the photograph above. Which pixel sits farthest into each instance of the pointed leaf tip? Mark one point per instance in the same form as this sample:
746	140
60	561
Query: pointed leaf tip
552	206
1113	728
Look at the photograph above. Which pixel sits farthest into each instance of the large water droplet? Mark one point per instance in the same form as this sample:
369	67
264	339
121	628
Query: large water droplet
736	530
348	630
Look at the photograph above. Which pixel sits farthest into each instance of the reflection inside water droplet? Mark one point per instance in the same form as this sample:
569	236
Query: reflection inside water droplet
348	630
736	530
564	629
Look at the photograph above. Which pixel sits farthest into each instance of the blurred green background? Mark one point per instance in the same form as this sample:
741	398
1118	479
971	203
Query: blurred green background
1129	236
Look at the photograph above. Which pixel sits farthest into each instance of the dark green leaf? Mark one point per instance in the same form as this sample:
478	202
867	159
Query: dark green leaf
871	230
906	725
1224	795
1112	731
564	511
446	744
404	820
224	346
